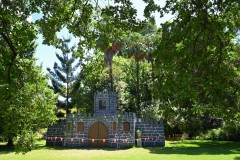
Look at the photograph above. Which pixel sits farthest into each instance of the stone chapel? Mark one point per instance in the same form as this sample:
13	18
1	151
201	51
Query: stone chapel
106	127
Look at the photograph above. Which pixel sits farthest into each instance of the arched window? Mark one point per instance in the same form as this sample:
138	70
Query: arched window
69	126
102	104
80	127
114	126
126	126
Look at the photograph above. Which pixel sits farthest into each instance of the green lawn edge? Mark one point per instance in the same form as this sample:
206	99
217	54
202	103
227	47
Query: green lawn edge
174	150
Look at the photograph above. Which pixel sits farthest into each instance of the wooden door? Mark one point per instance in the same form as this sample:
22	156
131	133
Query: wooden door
98	135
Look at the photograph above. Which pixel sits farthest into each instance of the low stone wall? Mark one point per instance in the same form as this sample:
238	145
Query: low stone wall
116	139
59	135
56	133
152	133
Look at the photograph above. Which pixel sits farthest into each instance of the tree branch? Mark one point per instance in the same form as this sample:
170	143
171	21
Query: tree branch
11	46
195	42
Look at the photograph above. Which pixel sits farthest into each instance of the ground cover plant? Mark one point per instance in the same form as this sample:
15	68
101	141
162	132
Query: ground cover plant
174	150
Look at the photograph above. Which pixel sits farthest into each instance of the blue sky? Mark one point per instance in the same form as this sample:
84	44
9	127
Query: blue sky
46	54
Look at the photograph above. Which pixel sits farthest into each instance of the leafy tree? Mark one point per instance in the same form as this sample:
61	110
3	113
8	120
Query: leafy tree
121	71
110	39
125	77
81	18
64	81
27	104
90	22
140	46
195	62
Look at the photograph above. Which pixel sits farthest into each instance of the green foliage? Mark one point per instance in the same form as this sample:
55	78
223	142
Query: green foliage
24	142
151	112
228	132
95	77
195	63
141	47
214	134
75	15
91	81
120	73
27	104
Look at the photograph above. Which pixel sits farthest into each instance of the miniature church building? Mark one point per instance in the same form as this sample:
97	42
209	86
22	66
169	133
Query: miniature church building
105	127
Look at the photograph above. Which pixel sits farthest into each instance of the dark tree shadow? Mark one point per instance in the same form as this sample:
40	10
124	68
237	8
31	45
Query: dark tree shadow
187	148
5	150
41	147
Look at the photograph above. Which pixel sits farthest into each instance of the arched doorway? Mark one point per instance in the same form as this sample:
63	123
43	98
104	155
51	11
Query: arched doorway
98	135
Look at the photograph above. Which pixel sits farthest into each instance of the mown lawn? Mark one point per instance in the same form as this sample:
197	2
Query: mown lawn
189	150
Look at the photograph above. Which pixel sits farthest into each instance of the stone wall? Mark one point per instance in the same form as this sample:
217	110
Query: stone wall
152	133
74	131
116	139
120	138
110	100
56	133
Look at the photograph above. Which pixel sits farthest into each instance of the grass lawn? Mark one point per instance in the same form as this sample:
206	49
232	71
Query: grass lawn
189	150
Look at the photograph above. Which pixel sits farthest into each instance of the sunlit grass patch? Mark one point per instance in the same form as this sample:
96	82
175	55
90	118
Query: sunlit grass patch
174	150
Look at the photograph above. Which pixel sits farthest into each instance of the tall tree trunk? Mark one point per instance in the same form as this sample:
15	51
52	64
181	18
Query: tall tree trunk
111	76
153	77
108	57
67	78
10	143
137	87
68	111
67	104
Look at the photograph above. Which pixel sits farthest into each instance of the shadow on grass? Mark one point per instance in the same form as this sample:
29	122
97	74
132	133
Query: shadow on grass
41	147
199	148
5	150
187	148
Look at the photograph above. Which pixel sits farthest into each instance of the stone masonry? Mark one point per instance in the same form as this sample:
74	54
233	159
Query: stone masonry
116	130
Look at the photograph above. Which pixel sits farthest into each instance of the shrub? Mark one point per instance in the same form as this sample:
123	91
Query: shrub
228	133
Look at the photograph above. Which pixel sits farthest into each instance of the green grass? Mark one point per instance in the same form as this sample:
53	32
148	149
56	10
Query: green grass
189	150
